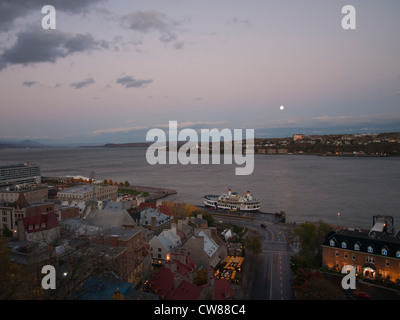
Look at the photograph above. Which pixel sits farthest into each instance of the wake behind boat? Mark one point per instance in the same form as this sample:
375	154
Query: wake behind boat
233	201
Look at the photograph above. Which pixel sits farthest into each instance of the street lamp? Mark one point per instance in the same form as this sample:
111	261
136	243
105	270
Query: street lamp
338	219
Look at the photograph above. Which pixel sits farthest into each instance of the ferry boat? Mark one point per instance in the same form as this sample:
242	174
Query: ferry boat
233	201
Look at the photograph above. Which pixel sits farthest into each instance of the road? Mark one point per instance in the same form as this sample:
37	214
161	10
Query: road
271	274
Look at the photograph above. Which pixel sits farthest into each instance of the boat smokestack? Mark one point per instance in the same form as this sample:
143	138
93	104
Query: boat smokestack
229	191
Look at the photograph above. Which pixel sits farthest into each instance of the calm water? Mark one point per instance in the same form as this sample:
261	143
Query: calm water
308	188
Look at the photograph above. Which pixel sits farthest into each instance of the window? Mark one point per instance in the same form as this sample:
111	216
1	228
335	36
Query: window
370	249
159	249
398	254
357	247
344	245
332	243
384	251
369	259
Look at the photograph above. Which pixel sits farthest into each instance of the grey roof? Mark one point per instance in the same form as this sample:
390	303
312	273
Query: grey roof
110	218
84	227
147	214
364	241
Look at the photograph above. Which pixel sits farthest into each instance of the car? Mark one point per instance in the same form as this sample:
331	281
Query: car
362	295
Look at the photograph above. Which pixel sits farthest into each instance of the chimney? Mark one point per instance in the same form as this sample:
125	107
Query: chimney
173	228
153	223
20	231
171	265
114	240
210	277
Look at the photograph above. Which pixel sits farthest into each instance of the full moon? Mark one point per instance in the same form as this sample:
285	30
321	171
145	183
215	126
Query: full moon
282	107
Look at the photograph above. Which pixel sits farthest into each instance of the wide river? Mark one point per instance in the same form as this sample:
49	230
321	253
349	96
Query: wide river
307	188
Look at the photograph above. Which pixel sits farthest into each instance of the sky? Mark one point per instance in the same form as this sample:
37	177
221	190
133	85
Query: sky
114	69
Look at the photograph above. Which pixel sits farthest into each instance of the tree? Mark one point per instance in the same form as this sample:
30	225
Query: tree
126	183
312	235
201	277
7	233
314	286
110	182
253	244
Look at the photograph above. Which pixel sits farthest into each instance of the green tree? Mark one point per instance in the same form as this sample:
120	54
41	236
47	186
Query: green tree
7	232
253	244
126	183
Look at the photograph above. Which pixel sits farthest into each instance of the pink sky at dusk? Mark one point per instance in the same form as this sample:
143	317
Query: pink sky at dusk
118	64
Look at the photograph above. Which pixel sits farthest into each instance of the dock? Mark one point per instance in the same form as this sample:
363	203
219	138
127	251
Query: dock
155	193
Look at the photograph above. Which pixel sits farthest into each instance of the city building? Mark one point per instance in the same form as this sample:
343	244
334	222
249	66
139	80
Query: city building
178	280
43	229
16	174
162	244
155	220
374	253
124	245
11	212
298	137
31	193
86	192
203	249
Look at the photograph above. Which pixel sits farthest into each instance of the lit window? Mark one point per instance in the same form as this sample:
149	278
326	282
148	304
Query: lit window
370	249
344	245
398	254
332	243
384	251
357	247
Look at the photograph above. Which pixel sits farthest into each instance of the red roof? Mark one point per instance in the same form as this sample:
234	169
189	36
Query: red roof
145	205
223	289
41	222
163	283
186	291
164	208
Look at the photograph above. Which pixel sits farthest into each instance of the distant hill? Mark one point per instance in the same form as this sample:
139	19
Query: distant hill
21	144
127	145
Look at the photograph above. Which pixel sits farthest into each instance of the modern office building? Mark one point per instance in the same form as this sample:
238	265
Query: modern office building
18	174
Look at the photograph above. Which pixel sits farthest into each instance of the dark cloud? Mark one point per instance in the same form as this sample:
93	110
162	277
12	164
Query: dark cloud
37	45
29	83
179	45
13	9
130	82
237	21
151	20
83	83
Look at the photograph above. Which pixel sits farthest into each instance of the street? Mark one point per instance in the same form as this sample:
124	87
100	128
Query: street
271	276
